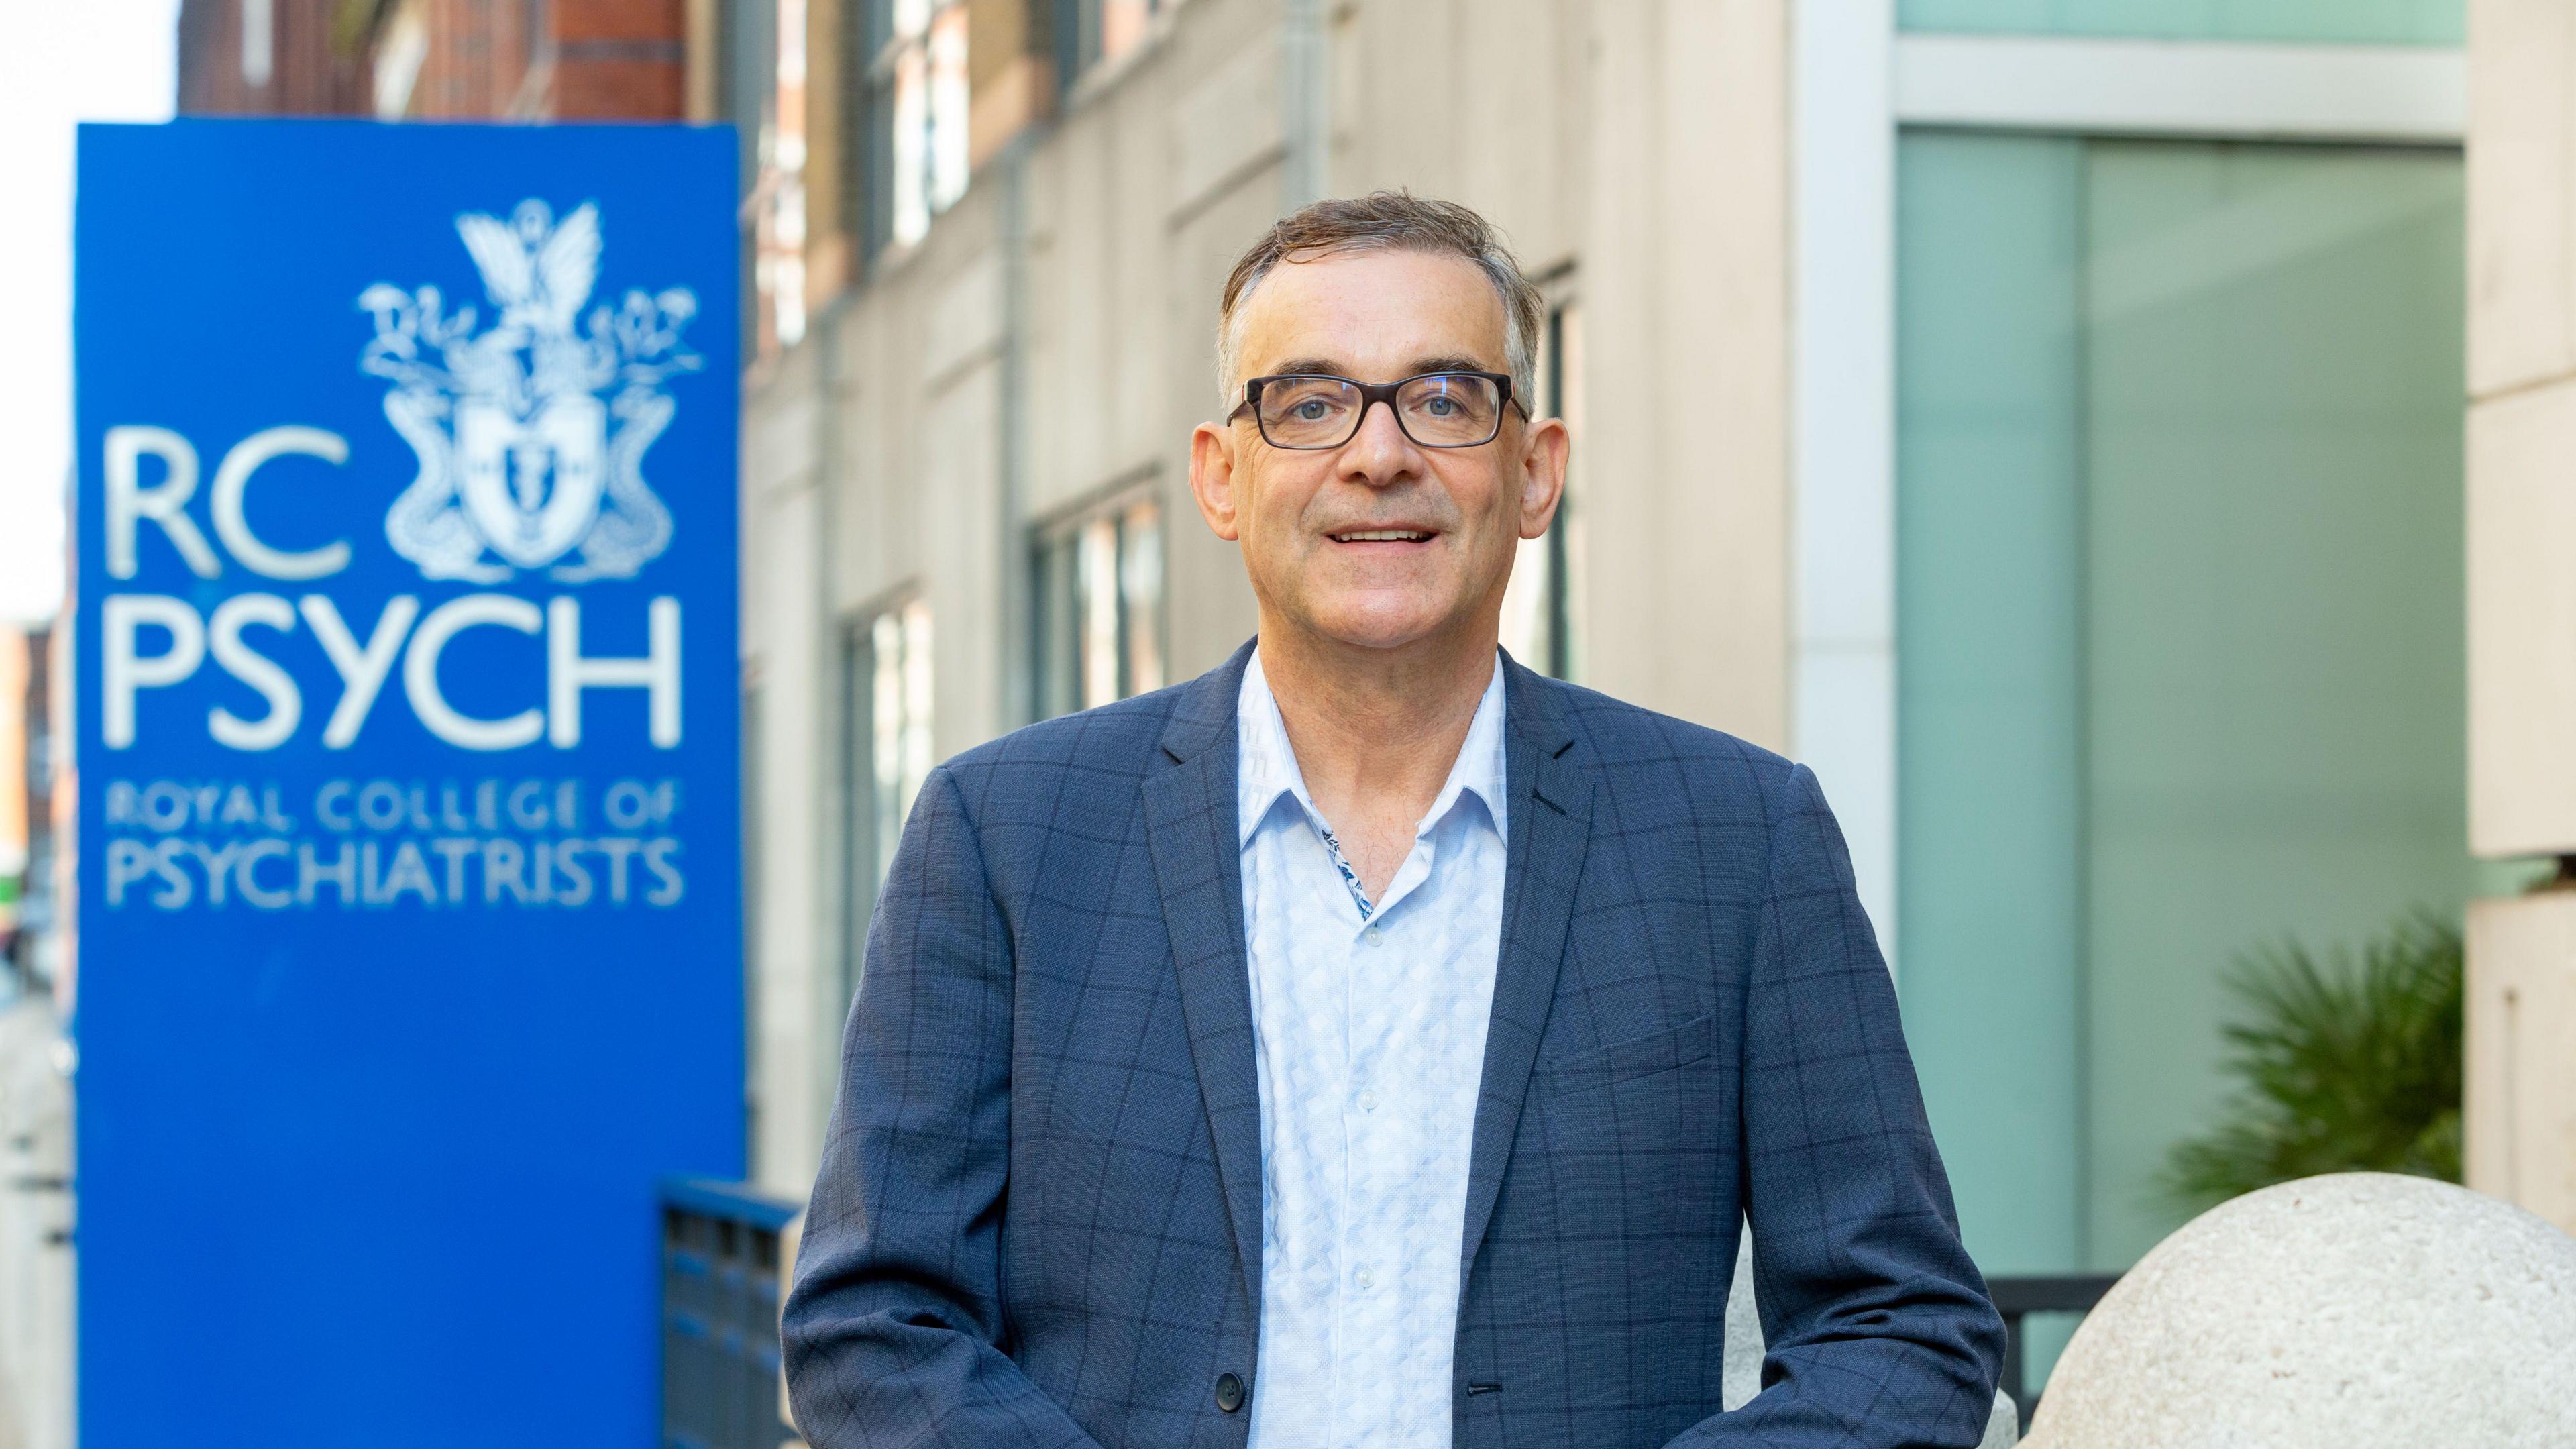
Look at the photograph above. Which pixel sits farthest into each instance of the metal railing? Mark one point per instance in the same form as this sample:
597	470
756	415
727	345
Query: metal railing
722	1264
2016	1298
724	1252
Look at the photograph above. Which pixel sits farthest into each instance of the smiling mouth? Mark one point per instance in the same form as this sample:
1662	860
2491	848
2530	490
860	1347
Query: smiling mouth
1382	535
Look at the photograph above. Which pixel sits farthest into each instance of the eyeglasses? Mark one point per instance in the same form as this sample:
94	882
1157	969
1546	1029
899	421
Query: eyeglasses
1435	409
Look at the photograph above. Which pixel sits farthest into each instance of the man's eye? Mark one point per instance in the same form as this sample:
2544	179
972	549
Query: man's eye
1311	410
1440	407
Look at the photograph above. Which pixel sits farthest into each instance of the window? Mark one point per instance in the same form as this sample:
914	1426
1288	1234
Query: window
746	82
258	42
1094	31
1541	623
401	49
778	259
886	754
911	158
1099	599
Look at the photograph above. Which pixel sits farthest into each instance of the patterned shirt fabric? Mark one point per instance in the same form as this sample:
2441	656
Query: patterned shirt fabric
1369	1023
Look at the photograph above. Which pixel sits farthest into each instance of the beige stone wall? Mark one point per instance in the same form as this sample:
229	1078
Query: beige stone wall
2520	1123
2522	426
1634	149
2521	1087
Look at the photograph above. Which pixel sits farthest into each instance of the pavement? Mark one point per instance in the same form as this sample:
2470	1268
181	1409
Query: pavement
35	1226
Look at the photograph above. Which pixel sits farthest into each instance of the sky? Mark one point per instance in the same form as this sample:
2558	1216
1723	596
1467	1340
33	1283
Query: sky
60	63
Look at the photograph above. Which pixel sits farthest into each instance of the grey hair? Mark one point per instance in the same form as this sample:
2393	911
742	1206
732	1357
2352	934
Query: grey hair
1388	221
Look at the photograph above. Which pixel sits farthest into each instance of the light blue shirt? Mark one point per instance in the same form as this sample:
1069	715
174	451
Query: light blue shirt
1369	1039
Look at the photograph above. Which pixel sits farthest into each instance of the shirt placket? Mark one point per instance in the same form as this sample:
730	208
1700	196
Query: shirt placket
1381	1138
1365	1182
1350	1226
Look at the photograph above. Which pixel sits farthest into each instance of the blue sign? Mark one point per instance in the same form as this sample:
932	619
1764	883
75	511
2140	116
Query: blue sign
409	876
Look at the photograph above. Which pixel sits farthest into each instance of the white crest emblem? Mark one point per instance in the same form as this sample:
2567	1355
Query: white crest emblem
532	432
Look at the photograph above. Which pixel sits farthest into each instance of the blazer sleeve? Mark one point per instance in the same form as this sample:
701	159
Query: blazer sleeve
893	1331
1878	1326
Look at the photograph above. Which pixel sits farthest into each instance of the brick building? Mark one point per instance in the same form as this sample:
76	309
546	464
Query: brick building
269	58
535	60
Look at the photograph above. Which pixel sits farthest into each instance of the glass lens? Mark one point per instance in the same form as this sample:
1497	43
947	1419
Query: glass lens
1449	409
1309	412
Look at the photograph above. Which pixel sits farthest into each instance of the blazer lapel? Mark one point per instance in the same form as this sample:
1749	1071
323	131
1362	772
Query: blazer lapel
1550	819
1191	829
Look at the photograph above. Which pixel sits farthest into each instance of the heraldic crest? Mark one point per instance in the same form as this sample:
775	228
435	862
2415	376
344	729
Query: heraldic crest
532	432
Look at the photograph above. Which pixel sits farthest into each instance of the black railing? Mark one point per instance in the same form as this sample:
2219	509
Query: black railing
721	1269
2016	1298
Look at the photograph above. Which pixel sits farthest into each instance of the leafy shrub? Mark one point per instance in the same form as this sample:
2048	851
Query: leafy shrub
2341	1066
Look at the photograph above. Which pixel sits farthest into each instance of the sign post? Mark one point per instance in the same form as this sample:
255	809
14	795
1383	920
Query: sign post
409	901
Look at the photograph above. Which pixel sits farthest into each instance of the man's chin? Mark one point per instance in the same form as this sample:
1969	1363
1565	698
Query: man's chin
1389	631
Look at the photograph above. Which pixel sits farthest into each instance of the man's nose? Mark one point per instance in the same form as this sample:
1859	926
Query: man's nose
1379	453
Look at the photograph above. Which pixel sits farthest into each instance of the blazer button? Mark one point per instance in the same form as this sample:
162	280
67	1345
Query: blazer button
1229	1392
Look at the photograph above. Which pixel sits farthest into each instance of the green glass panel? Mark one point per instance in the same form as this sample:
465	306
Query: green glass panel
2274	670
1989	771
2385	22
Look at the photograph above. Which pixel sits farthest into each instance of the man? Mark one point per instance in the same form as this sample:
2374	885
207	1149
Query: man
1371	1042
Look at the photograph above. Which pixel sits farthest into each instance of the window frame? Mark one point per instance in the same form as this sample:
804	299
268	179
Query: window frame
866	844
1081	39
873	55
1058	655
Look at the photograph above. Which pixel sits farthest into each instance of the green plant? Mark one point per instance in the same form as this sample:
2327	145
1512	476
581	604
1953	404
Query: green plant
2348	1065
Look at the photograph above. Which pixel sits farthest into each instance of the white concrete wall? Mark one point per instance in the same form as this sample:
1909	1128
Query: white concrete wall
1638	149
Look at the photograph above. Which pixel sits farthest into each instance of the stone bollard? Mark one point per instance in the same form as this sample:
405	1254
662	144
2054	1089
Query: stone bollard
2353	1311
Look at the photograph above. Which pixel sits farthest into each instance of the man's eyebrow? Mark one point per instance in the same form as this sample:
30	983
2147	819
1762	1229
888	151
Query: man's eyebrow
1296	366
1332	367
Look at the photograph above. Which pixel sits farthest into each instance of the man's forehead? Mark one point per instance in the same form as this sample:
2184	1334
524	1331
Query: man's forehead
1374	309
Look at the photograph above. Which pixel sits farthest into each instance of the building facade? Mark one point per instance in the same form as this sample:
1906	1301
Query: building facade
519	60
966	439
2043	419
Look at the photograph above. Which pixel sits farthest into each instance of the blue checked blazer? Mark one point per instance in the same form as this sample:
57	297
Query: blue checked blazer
1038	1220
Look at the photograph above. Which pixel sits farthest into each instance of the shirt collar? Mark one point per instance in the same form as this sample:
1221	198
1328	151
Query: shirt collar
1267	769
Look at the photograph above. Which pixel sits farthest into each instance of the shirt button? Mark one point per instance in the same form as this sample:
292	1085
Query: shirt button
1368	1101
1374	936
1229	1392
1367	1279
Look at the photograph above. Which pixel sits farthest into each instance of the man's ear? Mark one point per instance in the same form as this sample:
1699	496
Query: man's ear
1545	447
1212	479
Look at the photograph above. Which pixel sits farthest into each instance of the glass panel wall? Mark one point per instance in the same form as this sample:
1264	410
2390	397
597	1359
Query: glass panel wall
2275	675
2382	22
2180	661
1989	720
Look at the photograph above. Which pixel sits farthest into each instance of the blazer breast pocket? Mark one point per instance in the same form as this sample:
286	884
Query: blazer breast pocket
1637	1056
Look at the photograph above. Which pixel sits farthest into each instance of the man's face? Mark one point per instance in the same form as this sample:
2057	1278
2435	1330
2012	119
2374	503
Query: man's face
1379	543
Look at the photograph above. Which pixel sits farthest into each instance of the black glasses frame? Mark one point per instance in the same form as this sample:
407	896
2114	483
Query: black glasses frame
1371	394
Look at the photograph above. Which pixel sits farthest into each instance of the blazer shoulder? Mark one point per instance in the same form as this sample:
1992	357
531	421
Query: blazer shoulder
1632	743
1113	739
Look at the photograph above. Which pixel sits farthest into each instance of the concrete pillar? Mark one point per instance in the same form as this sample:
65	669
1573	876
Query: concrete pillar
2521	1098
1686	287
2521	1117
